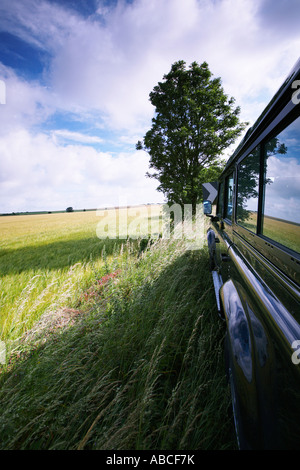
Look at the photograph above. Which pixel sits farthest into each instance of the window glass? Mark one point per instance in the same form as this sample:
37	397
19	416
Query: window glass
281	208
247	191
229	196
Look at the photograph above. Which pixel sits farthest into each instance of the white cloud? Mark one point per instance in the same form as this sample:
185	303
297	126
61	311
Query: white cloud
35	170
27	103
113	66
103	68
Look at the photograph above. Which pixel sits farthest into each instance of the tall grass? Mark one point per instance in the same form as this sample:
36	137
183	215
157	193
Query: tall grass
136	362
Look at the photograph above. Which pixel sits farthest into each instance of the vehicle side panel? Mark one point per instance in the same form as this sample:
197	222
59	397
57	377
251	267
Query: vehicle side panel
256	263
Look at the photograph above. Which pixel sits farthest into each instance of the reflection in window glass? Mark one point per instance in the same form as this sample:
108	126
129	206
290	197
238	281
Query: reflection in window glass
229	194
281	212
247	192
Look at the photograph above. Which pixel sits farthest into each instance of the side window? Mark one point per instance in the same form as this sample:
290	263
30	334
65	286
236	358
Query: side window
247	190
281	203
228	196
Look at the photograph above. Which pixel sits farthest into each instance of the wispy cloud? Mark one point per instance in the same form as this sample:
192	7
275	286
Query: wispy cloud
112	65
63	135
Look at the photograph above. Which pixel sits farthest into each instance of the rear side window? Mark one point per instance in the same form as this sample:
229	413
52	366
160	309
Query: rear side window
247	190
281	198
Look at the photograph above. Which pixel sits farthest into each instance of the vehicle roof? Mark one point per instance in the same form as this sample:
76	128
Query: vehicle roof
278	101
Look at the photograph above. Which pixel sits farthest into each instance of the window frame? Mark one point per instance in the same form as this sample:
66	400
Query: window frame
230	175
281	256
262	191
220	204
260	177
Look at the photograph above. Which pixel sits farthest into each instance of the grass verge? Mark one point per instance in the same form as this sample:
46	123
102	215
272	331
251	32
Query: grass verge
137	363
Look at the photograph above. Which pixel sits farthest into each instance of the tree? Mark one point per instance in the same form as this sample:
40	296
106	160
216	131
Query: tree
194	122
69	209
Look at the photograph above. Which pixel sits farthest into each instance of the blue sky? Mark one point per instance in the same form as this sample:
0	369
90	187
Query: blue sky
78	75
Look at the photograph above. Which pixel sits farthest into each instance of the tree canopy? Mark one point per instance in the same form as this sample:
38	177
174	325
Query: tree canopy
194	122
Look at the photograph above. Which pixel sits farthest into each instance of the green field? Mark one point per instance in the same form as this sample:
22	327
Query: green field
110	343
283	231
45	260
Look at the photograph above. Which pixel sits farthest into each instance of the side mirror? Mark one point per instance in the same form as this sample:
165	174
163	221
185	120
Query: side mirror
207	207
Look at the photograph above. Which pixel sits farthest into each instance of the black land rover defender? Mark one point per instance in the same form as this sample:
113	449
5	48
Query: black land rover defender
254	246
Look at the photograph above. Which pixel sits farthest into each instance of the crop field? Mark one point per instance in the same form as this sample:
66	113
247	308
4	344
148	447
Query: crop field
111	336
282	231
46	259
